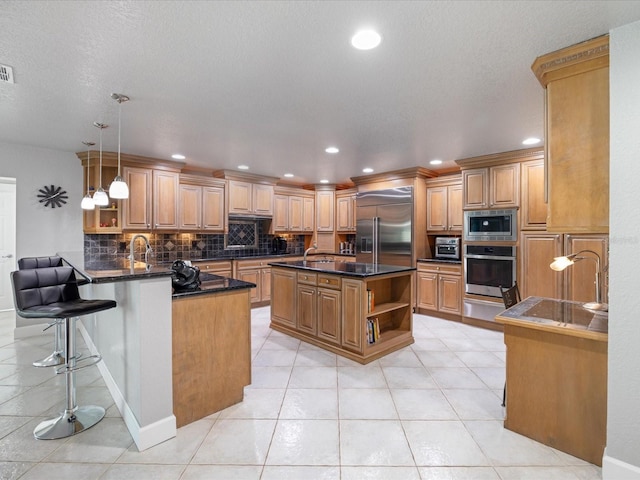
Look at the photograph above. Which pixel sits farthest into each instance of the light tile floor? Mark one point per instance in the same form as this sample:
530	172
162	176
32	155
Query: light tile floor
429	411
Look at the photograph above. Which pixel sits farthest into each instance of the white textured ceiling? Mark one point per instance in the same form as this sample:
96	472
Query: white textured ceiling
270	84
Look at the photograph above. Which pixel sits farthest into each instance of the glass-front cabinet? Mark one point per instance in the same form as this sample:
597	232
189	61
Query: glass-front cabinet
107	219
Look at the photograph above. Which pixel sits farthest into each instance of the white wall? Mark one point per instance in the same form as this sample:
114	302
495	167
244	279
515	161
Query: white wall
42	231
622	455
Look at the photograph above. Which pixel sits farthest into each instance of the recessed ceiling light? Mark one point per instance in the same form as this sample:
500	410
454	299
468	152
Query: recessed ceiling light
531	141
288	175
435	162
366	39
243	167
324	181
367	170
332	149
178	156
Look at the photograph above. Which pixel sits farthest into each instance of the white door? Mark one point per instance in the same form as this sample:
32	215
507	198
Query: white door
7	240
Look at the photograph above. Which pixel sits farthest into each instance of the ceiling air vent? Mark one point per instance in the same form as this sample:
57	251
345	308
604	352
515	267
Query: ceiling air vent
6	74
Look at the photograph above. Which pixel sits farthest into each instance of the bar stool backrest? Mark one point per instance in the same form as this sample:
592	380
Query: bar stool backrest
43	286
28	263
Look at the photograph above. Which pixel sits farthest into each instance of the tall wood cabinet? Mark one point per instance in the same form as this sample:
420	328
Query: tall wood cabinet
576	82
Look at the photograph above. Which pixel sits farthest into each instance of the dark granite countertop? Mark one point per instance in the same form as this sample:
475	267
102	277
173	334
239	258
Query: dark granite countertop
283	256
440	260
560	316
350	269
213	284
119	269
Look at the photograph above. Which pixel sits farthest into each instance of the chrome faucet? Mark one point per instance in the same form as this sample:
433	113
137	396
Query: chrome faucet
146	252
304	258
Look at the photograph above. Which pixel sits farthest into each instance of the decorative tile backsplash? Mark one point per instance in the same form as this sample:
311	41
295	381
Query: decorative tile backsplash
168	247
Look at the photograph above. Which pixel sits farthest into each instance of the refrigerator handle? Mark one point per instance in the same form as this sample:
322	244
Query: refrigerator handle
376	244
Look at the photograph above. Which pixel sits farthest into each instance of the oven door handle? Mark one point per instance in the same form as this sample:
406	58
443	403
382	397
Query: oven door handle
489	257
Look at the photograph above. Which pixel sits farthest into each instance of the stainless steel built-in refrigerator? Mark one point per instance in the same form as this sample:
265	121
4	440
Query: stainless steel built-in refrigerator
383	226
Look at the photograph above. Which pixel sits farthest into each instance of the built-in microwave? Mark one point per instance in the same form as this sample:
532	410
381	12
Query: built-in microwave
490	225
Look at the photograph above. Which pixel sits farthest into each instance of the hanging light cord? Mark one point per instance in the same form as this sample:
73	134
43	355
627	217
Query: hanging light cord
101	127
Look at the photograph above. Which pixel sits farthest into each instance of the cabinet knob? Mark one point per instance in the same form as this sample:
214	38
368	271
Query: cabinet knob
326	281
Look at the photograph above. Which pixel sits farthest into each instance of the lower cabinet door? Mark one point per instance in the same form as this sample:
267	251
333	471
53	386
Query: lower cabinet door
450	294
251	276
427	290
329	315
306	309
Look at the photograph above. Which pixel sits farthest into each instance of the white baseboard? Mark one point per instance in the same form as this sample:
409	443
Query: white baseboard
614	469
144	437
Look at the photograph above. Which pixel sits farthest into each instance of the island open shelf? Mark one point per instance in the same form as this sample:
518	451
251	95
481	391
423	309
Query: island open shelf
361	316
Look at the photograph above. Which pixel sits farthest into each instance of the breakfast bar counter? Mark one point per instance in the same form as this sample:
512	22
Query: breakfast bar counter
556	382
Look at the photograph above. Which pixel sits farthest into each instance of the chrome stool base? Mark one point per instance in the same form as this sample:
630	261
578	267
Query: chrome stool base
52	360
69	423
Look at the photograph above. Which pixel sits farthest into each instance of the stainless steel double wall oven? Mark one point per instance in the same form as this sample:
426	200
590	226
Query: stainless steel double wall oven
489	265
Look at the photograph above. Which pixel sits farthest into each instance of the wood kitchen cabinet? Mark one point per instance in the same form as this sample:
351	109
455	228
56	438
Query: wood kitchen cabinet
106	219
247	198
325	201
533	211
293	212
576	82
201	204
346	211
257	272
439	288
222	268
493	187
153	199
444	205
576	282
330	311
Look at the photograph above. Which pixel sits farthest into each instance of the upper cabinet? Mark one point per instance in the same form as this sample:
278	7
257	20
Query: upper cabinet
576	82
533	210
153	199
247	198
494	181
293	211
346	211
492	187
444	204
248	194
325	201
107	219
201	204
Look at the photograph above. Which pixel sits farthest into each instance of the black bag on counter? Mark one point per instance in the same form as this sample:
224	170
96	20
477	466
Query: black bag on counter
184	277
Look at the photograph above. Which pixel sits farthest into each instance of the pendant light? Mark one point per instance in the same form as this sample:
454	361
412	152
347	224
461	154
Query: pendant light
87	202
119	188
100	198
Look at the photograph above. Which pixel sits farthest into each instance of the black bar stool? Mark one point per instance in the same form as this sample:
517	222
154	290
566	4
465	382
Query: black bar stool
57	357
52	292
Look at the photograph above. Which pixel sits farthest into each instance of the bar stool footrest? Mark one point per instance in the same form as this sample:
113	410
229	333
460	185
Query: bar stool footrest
83	363
69	423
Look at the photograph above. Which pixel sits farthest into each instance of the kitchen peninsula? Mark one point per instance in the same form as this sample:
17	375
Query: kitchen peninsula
557	374
361	311
169	358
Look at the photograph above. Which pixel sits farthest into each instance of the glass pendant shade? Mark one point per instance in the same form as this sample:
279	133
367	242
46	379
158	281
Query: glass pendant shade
119	188
100	198
87	202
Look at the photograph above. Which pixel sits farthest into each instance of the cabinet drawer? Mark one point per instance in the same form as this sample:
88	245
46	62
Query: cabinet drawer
308	278
329	281
249	264
440	268
213	266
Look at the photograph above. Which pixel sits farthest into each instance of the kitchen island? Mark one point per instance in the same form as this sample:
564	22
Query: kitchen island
152	347
557	375
361	311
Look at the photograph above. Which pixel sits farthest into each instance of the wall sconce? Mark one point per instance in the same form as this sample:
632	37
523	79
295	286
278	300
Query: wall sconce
560	263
